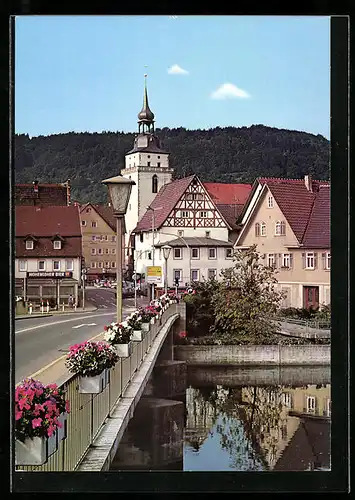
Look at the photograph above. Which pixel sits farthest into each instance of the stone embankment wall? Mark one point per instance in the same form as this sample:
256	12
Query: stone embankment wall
253	355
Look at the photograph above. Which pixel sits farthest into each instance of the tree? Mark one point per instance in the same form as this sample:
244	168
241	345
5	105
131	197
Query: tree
245	300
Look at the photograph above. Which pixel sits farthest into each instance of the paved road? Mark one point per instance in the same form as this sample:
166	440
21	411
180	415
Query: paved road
39	341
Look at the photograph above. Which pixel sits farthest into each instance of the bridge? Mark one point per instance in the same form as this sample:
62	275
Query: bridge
96	422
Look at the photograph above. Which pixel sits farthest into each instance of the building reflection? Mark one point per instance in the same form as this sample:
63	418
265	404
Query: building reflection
287	427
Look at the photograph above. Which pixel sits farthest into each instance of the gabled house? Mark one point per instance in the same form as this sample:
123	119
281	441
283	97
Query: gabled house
289	221
185	216
41	194
47	252
99	231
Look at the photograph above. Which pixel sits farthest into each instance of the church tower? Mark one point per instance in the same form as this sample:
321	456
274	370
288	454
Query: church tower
147	164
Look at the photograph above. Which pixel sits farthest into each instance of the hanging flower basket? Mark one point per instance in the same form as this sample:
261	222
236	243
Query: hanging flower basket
145	327
37	411
137	335
93	384
91	360
62	431
152	321
119	335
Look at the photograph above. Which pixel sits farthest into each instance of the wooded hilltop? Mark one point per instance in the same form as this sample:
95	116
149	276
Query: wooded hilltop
230	154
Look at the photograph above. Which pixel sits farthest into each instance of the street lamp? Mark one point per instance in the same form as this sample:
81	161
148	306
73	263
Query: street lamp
166	252
119	189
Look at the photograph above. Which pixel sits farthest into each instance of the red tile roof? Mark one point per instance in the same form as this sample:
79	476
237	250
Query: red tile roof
44	223
228	194
48	194
307	212
163	203
230	213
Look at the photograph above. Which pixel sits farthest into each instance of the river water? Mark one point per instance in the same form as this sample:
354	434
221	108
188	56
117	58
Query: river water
234	419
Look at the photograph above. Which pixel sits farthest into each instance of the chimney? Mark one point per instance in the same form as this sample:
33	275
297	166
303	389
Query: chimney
308	182
35	186
68	191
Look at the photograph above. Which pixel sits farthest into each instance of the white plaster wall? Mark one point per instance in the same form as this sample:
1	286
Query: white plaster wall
32	266
146	196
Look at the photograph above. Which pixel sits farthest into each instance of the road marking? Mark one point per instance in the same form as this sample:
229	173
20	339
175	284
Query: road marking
85	324
103	305
59	322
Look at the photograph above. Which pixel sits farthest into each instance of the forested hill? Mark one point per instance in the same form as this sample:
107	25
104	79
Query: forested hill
217	155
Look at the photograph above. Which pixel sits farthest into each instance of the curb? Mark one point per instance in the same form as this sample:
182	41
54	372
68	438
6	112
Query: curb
45	315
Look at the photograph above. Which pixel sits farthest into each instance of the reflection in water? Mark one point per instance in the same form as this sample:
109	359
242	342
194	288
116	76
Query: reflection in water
225	427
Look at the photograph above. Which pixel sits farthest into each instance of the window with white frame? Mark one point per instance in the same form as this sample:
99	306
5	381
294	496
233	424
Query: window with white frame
195	274
100	264
141	236
113	251
212	253
208	234
93	251
195	253
203	214
229	253
107	264
327	262
29	244
177	253
107	250
93	223
280	228
83	222
113	238
270	202
149	255
311	404
57	244
88	210
262	229
69	265
41	265
286	260
113	264
100	251
22	265
310	260
287	399
56	265
271	260
93	237
212	274
185	213
257	229
180	233
93	265
177	274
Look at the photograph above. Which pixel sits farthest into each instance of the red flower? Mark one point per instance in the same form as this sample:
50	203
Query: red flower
182	335
36	422
18	414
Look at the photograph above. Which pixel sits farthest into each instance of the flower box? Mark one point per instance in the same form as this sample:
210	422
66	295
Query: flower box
94	384
152	321
62	431
124	350
31	451
137	335
52	444
145	327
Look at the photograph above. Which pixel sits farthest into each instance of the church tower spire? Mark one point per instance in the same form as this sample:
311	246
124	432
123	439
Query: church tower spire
146	115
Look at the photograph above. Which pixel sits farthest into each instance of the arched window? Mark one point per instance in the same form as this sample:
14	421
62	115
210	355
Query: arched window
154	184
262	229
257	229
280	228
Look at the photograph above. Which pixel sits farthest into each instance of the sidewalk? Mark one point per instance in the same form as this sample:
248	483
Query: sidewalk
88	308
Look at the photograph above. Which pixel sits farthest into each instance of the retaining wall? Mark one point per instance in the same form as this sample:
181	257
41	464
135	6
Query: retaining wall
253	355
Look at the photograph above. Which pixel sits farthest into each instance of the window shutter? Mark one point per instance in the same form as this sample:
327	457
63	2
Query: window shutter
291	260
315	260
303	260
324	256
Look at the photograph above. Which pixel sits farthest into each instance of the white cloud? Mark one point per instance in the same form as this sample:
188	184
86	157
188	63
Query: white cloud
229	91
175	69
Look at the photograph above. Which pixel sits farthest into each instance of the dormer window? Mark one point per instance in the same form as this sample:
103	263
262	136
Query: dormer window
29	244
57	244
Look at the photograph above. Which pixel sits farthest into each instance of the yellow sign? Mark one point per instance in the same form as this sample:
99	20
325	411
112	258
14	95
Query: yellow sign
154	274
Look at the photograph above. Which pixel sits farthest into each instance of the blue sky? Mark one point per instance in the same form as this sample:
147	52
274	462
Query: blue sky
85	73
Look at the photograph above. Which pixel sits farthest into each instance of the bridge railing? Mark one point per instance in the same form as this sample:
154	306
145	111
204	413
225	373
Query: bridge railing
88	412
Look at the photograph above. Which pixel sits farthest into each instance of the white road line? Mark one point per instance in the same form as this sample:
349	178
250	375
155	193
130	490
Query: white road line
85	324
59	322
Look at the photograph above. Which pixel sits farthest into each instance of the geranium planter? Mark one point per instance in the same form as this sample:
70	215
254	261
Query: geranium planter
137	335
31	451
124	350
52	444
152	321
145	327
92	385
62	431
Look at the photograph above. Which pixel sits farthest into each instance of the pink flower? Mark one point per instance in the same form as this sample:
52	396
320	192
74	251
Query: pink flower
18	414
36	422
23	404
50	430
67	406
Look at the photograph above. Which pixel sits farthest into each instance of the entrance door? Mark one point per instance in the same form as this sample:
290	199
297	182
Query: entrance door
311	297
